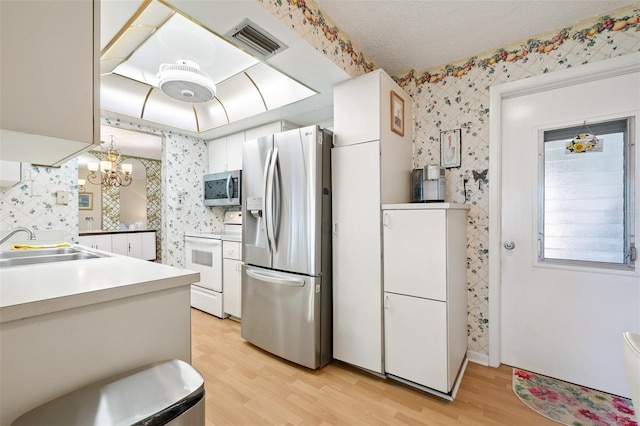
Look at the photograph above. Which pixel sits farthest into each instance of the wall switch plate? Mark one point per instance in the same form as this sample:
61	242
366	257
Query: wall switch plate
62	197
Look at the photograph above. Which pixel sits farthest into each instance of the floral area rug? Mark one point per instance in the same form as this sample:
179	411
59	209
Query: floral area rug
571	404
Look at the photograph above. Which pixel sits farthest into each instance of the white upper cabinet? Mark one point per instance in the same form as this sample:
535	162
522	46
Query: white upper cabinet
362	110
49	52
217	155
225	153
234	151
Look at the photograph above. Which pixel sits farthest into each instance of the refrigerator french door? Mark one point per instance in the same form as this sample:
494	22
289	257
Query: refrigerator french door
286	279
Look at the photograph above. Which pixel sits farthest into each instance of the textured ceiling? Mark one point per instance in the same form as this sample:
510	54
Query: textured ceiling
400	35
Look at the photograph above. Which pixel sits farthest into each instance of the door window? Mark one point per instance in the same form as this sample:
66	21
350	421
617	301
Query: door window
586	196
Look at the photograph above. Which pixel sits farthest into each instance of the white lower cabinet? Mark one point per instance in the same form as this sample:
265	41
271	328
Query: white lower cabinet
425	294
98	242
141	245
127	244
415	340
232	278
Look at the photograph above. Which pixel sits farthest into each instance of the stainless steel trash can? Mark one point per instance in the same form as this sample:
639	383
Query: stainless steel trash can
163	393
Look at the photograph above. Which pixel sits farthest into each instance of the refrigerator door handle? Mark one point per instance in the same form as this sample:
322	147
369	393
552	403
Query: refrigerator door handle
229	187
269	199
273	280
265	196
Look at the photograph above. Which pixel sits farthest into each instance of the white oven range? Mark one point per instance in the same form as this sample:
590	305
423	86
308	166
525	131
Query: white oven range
203	253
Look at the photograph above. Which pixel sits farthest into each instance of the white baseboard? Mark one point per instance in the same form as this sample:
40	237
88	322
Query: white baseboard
478	358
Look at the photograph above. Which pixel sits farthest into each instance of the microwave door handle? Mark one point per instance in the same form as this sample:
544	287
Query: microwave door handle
229	180
270	222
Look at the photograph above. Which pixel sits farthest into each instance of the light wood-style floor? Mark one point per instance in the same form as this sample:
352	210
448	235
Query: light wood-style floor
247	386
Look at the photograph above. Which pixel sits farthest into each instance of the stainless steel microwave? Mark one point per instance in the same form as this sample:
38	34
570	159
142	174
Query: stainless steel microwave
223	188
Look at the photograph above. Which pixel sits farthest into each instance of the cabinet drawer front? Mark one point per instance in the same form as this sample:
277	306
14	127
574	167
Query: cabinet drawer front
206	300
232	250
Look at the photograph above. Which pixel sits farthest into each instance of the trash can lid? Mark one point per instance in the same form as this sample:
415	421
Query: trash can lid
159	390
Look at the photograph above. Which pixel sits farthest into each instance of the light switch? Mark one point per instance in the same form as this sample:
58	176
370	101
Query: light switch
62	197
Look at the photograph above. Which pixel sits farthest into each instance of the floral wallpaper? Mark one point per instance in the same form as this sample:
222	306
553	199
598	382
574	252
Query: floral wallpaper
456	96
185	161
32	202
309	22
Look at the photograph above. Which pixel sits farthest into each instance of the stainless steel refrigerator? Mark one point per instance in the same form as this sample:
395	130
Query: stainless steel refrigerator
286	275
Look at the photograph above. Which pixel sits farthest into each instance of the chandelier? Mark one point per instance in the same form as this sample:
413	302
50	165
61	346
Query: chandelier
110	175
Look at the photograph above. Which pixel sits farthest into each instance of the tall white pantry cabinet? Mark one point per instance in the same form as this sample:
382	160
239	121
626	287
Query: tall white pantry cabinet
425	293
371	166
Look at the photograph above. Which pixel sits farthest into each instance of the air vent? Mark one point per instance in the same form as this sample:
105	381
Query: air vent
251	37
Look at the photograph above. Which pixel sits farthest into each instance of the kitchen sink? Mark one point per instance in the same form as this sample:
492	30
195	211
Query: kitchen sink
37	252
48	255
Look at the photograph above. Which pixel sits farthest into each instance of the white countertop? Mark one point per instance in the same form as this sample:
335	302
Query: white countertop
426	206
27	291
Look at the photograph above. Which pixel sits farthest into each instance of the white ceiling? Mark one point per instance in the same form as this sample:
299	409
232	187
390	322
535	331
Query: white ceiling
300	61
400	35
397	35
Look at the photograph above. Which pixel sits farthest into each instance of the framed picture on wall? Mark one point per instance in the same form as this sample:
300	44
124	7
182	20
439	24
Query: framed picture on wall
85	201
397	113
450	143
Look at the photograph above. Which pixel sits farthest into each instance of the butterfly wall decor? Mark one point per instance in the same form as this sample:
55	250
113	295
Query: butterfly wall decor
480	176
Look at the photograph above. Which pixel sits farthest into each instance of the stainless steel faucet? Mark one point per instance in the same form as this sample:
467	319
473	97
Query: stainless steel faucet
32	235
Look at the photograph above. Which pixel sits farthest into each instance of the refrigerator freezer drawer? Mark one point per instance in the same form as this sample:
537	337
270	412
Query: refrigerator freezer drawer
282	314
207	300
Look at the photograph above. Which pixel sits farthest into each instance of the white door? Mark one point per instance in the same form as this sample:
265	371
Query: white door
561	320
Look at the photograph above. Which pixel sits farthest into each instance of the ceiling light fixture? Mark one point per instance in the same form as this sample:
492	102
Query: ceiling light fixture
185	82
110	175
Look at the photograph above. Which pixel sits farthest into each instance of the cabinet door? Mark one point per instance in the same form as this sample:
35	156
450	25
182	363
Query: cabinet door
134	243
99	242
264	130
102	242
120	244
48	116
86	240
217	155
149	245
234	151
231	282
357	110
357	279
415	253
415	333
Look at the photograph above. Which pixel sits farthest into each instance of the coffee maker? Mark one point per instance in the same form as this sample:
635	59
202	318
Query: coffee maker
428	184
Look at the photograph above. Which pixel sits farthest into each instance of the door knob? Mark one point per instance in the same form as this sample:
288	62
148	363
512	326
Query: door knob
509	245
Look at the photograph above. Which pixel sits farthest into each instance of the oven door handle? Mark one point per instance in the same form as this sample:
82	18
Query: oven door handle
203	241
